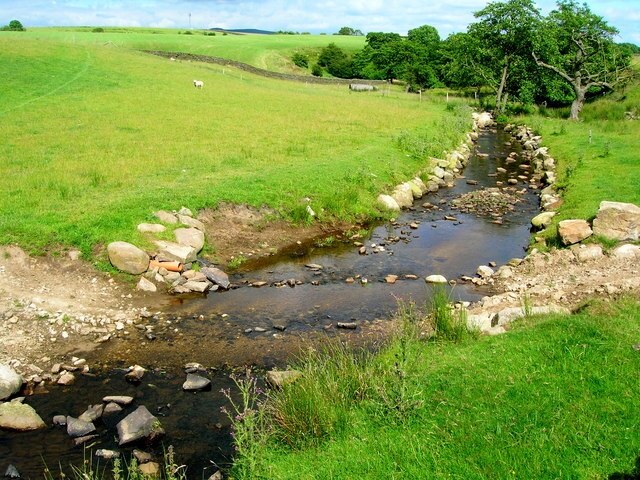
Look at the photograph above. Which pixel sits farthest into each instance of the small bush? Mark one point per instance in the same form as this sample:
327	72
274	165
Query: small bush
316	71
300	60
98	30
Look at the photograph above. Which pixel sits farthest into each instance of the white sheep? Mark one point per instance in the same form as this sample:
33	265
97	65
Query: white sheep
198	83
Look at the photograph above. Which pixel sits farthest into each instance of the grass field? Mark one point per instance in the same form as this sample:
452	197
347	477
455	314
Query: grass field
96	137
557	397
271	52
597	158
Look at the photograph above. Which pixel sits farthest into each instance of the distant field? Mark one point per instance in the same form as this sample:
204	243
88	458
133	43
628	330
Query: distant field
96	136
271	52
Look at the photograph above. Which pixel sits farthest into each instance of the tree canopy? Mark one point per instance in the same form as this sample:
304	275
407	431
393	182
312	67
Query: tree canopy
14	26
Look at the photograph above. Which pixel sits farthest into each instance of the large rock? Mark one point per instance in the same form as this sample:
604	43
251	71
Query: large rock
509	314
190	222
543	219
574	231
191	237
145	285
20	417
584	253
388	202
483	119
175	251
128	258
618	221
484	271
403	195
166	217
627	251
217	276
138	425
10	381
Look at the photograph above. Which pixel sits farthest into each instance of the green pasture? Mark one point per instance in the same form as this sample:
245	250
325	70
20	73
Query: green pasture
597	158
95	137
270	52
556	397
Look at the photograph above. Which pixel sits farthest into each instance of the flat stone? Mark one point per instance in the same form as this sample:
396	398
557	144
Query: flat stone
435	279
119	399
584	253
347	325
166	217
194	286
573	231
176	252
10	381
137	425
20	417
191	237
391	279
92	413
484	271
111	408
216	276
107	454
150	469
67	378
145	285
151	228
128	258
79	428
279	378
191	222
618	221
84	439
626	251
195	382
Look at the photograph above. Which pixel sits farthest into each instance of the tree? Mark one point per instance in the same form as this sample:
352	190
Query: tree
377	39
350	31
336	61
504	33
15	26
578	46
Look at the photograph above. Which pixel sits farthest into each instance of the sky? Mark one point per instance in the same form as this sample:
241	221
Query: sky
320	16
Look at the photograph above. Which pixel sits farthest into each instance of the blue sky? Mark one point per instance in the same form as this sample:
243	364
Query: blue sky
327	16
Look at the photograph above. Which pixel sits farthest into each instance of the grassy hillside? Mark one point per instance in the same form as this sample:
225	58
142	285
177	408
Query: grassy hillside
97	137
557	397
598	157
271	52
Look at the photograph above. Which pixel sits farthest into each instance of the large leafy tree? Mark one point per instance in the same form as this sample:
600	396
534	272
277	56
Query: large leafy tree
578	46
501	38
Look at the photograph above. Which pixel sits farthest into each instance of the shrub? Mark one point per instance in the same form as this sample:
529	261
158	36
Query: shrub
300	60
316	71
98	30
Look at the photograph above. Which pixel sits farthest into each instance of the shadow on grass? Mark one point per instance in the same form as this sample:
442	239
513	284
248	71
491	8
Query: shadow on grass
632	475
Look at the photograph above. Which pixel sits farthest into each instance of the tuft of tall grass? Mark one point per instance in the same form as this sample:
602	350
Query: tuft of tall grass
448	323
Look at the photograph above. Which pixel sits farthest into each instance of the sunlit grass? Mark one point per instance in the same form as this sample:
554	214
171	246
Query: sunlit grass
97	137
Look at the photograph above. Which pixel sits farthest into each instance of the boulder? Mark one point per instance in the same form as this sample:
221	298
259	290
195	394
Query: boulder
10	381
20	417
387	202
216	276
138	425
403	195
145	285
195	286
618	221
79	428
279	378
509	314
185	211
435	279
573	231
175	251
191	237
166	217
483	119
195	382
543	219
128	258
151	228
481	321
439	172
418	181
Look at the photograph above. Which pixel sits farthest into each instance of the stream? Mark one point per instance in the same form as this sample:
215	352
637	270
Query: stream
266	326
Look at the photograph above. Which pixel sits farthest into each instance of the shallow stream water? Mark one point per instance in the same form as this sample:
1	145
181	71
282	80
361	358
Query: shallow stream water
236	327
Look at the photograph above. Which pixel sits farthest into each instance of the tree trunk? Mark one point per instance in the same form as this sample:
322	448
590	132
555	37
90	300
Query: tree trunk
578	102
503	82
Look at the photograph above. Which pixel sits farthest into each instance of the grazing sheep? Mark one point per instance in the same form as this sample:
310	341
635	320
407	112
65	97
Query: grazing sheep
198	83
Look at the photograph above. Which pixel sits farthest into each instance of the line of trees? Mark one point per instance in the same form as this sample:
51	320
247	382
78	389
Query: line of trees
511	48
